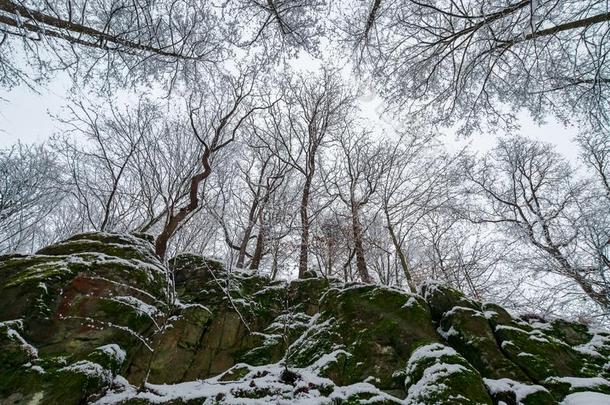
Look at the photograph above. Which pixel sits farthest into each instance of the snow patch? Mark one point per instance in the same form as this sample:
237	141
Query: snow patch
586	398
507	385
578	382
114	351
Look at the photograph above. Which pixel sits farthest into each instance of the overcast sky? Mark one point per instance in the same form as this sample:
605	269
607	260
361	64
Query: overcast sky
26	116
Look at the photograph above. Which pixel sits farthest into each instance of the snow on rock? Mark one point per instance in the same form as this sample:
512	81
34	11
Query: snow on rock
105	293
431	379
579	382
114	351
259	385
138	305
89	369
586	398
520	390
11	329
593	347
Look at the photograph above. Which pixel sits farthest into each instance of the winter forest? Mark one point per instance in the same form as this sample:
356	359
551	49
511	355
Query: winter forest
244	130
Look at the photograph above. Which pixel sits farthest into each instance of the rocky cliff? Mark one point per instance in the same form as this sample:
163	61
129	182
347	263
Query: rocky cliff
99	319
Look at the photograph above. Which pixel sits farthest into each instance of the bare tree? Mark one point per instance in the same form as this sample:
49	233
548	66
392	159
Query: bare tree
531	193
313	108
420	179
464	61
218	129
596	154
132	40
451	250
358	28
280	26
29	191
332	243
257	175
98	168
361	167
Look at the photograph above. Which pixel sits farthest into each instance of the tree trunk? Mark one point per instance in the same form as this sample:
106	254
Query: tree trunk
602	299
274	261
359	247
76	33
243	246
304	213
260	244
401	256
174	220
347	265
329	260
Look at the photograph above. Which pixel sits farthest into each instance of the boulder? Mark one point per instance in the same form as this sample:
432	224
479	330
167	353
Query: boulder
365	332
437	374
62	308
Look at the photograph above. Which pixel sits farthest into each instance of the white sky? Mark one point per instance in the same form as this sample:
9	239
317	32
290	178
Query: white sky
26	116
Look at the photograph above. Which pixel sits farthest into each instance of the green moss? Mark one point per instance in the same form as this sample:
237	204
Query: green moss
528	395
48	270
304	294
193	274
436	374
571	333
78	383
235	373
51	381
268	349
22	385
110	357
87	246
469	332
368	398
14	350
539	398
369	330
541	356
560	387
498	315
442	298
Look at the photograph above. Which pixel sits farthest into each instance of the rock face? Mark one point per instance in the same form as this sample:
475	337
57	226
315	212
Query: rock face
98	318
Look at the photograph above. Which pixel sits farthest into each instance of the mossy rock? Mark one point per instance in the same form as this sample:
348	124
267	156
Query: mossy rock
443	298
31	287
54	382
250	284
542	356
111	357
437	374
368	332
510	392
193	273
14	349
497	315
169	357
22	386
224	337
563	386
304	294
468	331
117	245
271	299
78	300
80	382
269	349
235	373
572	333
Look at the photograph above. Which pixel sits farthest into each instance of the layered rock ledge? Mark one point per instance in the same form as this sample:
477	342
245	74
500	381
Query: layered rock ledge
99	319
